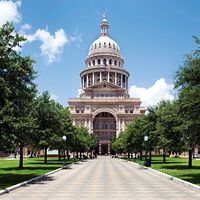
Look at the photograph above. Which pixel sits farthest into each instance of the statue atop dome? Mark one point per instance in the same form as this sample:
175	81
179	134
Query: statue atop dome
104	26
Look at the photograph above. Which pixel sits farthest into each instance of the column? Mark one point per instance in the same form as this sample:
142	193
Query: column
115	78
87	80
108	76
93	78
119	125
123	125
100	76
89	125
121	81
74	122
99	148
108	148
82	79
85	124
125	83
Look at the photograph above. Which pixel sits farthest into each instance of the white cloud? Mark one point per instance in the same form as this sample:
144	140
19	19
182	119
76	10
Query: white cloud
76	38
152	95
24	28
9	11
52	45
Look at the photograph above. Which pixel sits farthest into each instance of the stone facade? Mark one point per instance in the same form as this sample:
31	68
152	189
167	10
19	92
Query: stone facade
104	105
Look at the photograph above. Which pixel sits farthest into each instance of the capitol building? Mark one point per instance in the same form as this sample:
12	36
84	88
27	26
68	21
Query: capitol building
104	106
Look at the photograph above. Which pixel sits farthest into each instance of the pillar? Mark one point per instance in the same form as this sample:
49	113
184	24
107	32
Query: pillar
125	82
89	125
121	81
115	78
100	76
93	78
123	125
108	76
87	80
99	148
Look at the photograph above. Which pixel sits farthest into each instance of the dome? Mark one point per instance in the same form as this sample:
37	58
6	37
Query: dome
104	44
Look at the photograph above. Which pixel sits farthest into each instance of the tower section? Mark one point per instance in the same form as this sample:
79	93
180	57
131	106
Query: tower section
104	105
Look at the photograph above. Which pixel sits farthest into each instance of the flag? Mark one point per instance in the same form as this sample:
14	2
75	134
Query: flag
107	68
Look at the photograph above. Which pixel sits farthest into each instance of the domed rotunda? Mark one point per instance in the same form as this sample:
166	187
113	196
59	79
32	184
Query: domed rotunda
104	105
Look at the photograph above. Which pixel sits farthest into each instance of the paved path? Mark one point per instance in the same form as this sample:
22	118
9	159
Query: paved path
104	178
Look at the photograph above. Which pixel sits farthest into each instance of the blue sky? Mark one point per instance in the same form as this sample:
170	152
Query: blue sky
153	36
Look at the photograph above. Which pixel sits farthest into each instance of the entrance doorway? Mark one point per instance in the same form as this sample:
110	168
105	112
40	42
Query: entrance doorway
104	128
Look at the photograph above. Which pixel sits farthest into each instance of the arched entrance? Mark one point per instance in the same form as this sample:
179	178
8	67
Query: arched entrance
104	128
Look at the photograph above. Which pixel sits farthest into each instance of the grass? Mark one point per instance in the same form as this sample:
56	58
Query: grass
177	167
10	174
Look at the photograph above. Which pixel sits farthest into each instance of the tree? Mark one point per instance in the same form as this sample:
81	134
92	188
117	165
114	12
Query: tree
83	140
47	116
17	92
187	81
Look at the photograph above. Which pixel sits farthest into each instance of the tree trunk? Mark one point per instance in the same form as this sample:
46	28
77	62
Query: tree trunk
164	156
141	155
20	156
80	156
45	155
59	155
190	159
150	151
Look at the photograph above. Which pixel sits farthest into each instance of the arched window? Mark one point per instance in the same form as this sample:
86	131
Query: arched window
95	46
104	44
104	61
115	62
99	45
110	62
113	46
93	62
99	61
109	45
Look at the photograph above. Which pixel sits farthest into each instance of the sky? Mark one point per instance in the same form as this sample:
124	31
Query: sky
153	35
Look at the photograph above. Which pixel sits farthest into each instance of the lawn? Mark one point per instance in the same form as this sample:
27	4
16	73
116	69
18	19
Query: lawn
177	167
10	174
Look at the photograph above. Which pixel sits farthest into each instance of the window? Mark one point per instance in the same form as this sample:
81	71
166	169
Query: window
95	46
77	109
99	45
82	109
104	44
113	46
109	45
110	62
104	61
89	63
115	62
93	62
99	61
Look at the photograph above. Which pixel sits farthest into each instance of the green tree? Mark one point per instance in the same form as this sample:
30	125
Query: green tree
17	92
187	81
83	140
47	116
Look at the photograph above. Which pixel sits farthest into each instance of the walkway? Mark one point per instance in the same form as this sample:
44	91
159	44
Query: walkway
104	178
